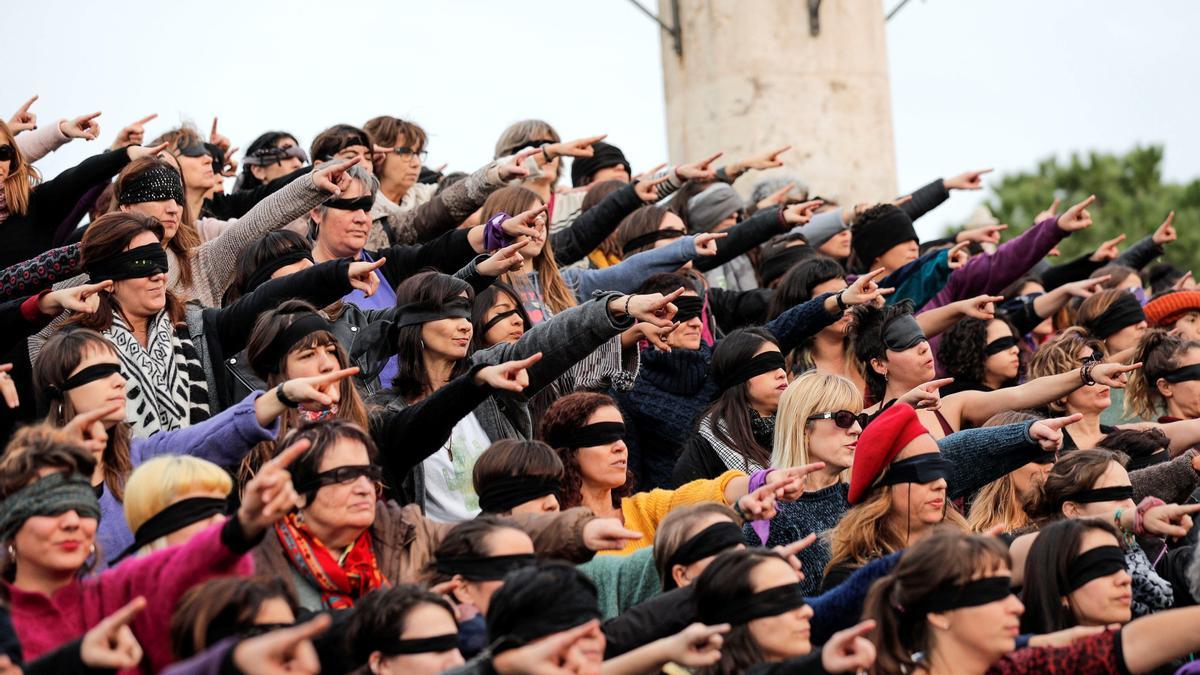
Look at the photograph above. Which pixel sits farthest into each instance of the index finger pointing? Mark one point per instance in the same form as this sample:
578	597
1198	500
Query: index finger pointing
125	614
289	454
145	119
25	108
711	159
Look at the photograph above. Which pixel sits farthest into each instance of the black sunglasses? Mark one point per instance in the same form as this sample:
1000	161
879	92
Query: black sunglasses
344	475
1094	357
843	418
6	152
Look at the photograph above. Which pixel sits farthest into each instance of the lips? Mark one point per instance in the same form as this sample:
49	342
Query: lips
936	503
70	545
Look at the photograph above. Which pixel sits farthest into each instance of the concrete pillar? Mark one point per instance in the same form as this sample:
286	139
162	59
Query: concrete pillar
752	77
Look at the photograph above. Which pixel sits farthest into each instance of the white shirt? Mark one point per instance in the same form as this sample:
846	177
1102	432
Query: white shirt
449	493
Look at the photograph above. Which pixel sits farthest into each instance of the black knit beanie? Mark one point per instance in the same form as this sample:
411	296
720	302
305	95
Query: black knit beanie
877	231
603	156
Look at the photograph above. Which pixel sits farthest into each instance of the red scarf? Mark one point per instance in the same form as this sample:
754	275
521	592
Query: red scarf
340	585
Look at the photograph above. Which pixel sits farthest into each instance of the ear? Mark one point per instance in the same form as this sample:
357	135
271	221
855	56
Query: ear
938	621
258	172
1164	388
462	595
680	575
879	367
375	662
1070	509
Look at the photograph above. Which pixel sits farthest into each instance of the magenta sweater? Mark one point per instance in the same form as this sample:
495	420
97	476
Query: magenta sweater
45	623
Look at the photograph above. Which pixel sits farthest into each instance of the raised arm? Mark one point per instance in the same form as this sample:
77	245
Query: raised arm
977	406
589	230
629	274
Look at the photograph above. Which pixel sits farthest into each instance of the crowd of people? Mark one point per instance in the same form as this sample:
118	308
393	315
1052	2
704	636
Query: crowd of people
322	408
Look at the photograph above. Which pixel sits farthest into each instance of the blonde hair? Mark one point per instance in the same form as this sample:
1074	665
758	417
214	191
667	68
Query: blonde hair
866	532
1061	355
998	503
162	481
22	177
812	393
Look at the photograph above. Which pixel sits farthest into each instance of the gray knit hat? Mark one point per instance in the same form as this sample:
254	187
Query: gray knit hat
823	227
769	185
707	209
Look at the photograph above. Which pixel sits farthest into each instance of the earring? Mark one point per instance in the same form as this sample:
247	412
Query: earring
12	552
92	550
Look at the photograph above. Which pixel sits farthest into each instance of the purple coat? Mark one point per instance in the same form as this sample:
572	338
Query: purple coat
992	273
223	439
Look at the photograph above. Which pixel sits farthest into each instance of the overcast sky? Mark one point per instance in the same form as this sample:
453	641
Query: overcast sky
999	83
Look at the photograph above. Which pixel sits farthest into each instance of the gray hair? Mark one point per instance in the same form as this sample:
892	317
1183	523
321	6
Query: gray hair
366	179
522	132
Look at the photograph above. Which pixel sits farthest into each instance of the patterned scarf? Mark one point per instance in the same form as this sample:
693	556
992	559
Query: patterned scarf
167	388
763	429
341	585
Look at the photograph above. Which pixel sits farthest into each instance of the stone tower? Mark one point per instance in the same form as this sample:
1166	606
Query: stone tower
749	75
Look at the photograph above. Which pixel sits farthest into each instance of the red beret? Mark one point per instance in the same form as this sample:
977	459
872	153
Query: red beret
879	444
1166	309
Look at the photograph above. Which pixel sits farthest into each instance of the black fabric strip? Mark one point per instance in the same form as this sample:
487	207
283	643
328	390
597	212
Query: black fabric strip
714	539
136	263
769	602
500	317
1108	494
272	356
175	517
501	495
363	203
687	307
971	594
1184	374
263	274
1095	563
903	333
1000	345
429	645
459	308
590	436
1124	311
155	184
94	372
765	362
920	469
494	568
649	238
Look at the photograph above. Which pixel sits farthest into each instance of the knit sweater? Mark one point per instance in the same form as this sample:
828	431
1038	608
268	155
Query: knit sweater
815	511
45	622
642	512
41	141
661	410
1172	481
223	440
623	581
423	215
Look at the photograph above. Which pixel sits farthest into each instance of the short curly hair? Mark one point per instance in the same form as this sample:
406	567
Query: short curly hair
571	412
961	352
866	335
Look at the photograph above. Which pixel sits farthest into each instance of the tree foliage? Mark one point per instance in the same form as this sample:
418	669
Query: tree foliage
1131	199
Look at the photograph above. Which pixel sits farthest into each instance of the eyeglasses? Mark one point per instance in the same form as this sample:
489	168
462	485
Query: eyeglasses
1094	357
269	156
344	475
843	418
404	152
6	152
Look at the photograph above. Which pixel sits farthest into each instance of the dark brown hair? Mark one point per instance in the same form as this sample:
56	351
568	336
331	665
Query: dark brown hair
1075	471
515	457
944	558
109	237
61	355
220	608
571	412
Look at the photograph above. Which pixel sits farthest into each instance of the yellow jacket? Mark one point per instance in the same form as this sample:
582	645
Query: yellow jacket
644	510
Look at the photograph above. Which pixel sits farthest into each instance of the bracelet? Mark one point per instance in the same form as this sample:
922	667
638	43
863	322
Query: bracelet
283	398
1085	373
1139	523
841	303
737	508
545	154
627	299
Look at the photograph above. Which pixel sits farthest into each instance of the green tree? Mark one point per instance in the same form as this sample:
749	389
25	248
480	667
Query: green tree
1132	199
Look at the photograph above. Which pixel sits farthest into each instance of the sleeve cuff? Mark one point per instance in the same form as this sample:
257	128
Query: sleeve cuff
234	536
31	309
